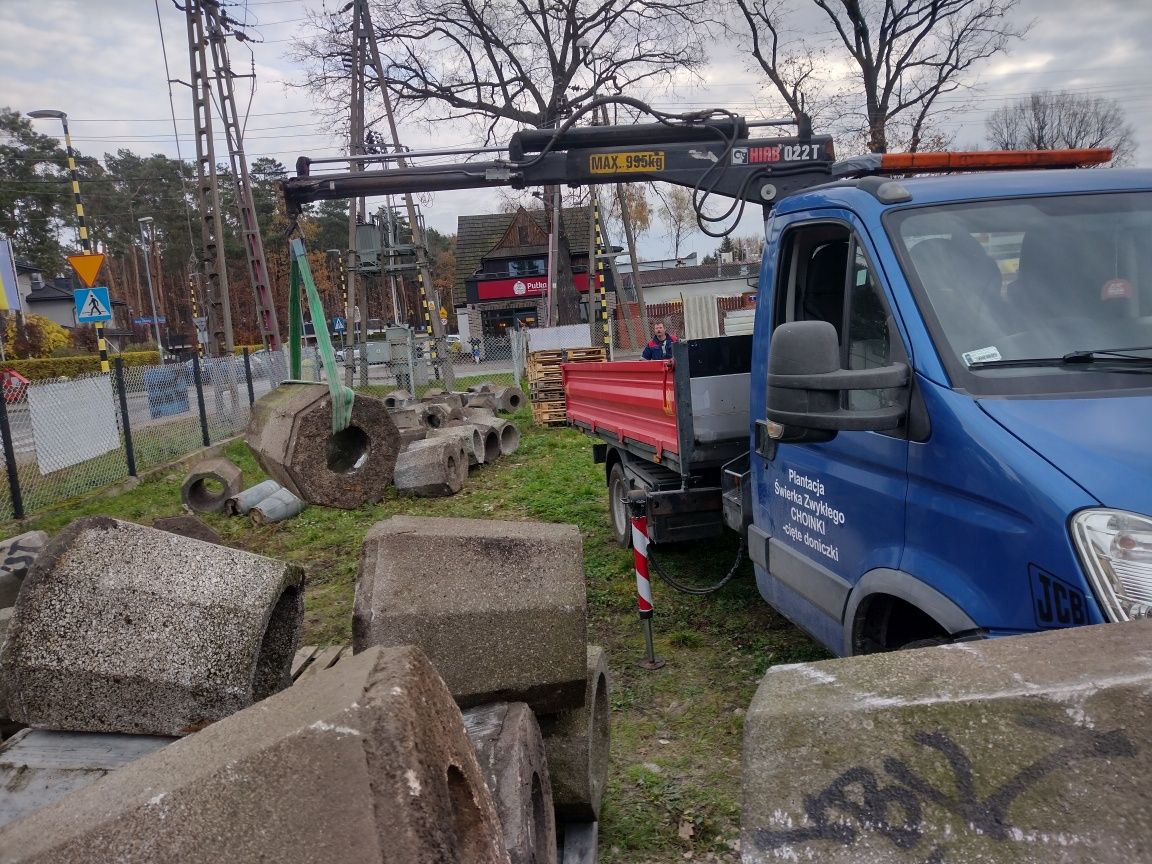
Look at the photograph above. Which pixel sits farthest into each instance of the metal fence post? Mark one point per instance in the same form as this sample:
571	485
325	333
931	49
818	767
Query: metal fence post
129	450
248	376
200	400
10	462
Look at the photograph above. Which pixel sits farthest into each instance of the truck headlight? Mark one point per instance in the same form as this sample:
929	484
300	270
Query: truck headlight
1116	551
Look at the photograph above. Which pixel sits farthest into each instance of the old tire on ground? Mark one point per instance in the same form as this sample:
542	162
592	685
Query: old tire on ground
618	488
577	744
198	494
510	751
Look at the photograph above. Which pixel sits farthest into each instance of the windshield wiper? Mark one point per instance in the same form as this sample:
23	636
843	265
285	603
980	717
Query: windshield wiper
1116	356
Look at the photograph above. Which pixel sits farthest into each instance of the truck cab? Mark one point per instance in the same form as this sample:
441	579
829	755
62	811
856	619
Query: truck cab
951	407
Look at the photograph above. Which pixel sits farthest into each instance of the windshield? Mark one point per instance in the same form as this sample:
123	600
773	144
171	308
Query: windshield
1034	279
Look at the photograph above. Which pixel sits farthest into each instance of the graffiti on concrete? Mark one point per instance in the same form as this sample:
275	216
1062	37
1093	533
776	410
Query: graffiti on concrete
858	801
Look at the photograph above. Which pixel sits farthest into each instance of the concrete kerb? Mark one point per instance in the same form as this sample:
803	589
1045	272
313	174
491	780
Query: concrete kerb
366	761
124	628
577	743
1029	749
507	626
510	751
209	485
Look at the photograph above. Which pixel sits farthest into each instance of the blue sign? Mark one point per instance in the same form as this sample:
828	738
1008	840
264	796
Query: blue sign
92	304
337	325
159	319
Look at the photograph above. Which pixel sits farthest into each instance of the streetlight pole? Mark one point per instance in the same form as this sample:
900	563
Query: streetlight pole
146	246
82	225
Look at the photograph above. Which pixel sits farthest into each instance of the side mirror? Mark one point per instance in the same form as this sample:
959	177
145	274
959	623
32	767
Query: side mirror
805	383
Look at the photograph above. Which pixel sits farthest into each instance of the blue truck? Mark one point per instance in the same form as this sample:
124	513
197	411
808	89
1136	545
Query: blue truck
941	427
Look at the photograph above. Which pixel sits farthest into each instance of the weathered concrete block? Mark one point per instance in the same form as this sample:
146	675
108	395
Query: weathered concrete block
483	387
5	621
209	485
510	751
187	526
508	399
1031	749
452	402
499	607
485	399
397	399
17	555
470	439
577	743
507	433
432	468
472	414
124	628
366	762
291	435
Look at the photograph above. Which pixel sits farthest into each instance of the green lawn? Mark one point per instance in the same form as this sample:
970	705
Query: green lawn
675	772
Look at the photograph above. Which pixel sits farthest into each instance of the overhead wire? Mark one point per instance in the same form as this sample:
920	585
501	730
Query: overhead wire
172	110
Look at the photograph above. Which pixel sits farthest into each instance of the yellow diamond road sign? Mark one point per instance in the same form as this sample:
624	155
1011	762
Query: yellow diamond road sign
87	267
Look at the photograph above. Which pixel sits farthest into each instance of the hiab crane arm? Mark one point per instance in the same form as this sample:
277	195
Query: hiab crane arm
712	155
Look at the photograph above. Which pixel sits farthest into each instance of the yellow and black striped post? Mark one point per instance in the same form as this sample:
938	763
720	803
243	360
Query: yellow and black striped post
85	242
433	348
601	293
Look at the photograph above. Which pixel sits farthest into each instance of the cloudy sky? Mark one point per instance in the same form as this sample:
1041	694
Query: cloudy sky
101	61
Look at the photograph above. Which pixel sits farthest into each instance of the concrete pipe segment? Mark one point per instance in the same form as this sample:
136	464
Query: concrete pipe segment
291	435
1030	749
239	505
577	744
124	628
209	485
511	756
397	399
509	399
507	433
432	468
470	438
364	763
499	607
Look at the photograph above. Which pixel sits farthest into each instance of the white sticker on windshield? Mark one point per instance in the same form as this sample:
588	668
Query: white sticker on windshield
981	355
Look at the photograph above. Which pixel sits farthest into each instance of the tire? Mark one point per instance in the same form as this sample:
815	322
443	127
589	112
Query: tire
933	642
618	488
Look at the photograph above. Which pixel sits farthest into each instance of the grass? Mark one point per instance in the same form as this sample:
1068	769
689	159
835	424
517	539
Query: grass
676	733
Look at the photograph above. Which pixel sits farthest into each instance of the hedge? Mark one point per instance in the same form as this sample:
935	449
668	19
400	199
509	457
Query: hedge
69	367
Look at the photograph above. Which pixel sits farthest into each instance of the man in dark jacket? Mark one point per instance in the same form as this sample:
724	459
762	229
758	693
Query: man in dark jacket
659	346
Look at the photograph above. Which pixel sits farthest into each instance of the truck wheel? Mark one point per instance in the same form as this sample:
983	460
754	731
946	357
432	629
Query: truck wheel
618	488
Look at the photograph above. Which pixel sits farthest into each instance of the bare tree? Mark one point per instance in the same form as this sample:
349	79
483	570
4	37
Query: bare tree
679	214
1057	121
904	55
523	61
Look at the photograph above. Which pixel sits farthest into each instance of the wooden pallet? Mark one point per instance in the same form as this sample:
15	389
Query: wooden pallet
585	355
549	413
547	391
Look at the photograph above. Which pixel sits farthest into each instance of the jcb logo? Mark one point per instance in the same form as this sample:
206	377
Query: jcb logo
1055	602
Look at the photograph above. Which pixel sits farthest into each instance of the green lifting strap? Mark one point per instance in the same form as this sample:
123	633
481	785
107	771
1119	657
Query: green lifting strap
342	396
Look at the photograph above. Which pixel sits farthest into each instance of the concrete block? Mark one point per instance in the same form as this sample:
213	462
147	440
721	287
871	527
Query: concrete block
432	468
472	414
486	400
453	402
507	433
187	526
17	555
509	399
1031	749
510	751
364	763
577	743
397	399
209	485
291	435
483	387
470	439
5	621
499	607
124	628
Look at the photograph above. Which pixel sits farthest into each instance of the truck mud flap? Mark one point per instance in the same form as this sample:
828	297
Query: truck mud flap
679	514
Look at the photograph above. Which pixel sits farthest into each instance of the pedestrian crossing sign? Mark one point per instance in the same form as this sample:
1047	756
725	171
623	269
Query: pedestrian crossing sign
92	304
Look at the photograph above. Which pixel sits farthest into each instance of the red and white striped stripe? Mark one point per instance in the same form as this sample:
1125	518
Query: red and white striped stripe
640	554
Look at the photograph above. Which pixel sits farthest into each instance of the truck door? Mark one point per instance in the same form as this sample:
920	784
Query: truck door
830	511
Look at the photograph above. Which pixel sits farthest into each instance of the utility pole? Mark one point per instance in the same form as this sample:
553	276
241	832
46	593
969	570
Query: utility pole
218	302
355	205
362	24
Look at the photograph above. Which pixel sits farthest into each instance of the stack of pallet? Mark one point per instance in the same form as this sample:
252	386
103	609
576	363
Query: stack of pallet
546	384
